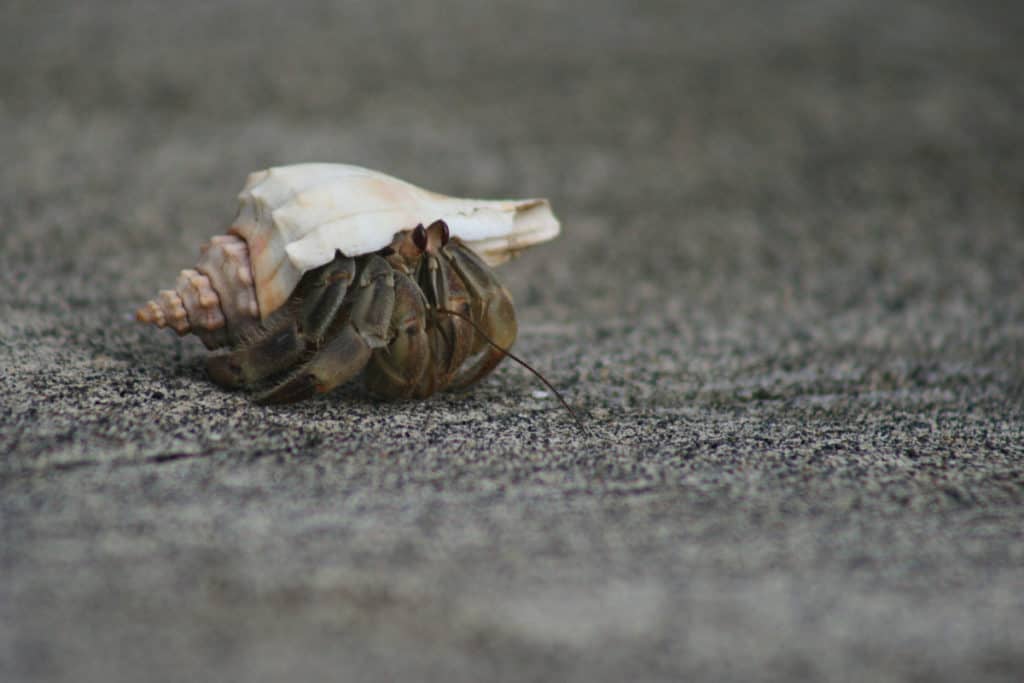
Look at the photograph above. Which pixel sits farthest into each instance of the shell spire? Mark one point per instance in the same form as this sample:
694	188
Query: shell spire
216	301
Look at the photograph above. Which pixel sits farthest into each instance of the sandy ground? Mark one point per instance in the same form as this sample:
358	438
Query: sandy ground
789	298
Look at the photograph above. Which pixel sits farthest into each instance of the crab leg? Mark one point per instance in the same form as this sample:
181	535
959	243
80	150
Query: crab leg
323	294
396	370
492	311
286	337
450	337
363	320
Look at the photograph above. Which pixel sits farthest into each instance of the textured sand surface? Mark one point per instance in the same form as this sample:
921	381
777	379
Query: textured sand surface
789	294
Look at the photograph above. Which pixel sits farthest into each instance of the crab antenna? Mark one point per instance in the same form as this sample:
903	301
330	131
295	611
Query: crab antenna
575	417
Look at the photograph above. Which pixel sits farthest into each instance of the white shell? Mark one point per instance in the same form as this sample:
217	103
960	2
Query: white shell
294	218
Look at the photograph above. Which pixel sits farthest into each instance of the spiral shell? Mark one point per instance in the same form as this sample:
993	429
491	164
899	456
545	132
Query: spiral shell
292	219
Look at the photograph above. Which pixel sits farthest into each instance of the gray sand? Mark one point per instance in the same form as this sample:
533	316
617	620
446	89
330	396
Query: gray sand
789	297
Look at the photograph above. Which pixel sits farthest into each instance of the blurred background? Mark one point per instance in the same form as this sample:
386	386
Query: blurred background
683	143
693	140
788	296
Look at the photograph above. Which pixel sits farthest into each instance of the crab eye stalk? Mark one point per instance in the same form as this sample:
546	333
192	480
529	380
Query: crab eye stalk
419	237
441	227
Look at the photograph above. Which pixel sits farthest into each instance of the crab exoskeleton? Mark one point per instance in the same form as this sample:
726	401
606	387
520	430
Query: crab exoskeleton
329	270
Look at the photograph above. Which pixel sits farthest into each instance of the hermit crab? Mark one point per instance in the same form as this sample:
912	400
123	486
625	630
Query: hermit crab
330	270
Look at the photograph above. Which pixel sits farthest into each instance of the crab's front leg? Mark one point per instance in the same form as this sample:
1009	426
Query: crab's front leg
491	310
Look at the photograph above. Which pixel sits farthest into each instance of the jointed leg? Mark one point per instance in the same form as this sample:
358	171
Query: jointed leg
360	326
338	361
491	310
450	337
291	332
396	370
